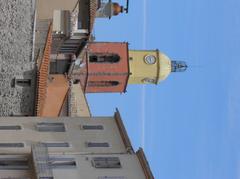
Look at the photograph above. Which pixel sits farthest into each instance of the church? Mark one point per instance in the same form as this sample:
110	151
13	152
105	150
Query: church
111	67
47	127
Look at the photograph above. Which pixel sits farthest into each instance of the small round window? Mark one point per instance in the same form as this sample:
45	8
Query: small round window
149	80
150	59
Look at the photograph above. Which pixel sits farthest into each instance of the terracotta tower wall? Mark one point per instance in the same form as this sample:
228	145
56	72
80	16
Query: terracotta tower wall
108	67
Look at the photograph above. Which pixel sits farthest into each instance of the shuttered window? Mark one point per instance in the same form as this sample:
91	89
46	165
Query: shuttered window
97	144
14	163
15	127
57	144
106	162
92	127
50	127
11	145
62	163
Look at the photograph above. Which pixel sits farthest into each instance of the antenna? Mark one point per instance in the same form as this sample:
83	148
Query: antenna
127	5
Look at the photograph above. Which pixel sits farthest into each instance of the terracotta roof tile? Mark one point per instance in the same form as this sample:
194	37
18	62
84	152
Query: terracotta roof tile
42	75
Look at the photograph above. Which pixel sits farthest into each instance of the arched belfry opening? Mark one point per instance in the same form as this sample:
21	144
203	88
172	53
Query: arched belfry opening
103	83
104	58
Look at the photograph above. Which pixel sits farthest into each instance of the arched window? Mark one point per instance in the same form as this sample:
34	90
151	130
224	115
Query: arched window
104	58
103	83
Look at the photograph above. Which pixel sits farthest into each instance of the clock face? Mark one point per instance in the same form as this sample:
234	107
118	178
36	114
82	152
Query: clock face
150	59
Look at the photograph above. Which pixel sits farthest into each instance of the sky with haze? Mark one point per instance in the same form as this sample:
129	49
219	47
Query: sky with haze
189	125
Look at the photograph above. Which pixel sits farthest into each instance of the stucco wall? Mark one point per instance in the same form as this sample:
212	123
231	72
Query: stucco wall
75	135
130	169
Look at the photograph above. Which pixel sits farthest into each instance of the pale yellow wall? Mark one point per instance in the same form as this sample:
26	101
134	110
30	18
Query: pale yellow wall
131	169
141	70
75	135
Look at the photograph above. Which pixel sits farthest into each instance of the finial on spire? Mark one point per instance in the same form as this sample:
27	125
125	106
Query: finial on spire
178	66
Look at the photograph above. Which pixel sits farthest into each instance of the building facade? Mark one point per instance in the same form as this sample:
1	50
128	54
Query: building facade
75	148
40	164
72	135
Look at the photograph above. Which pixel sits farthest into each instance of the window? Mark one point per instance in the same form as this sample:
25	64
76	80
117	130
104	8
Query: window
92	127
57	144
50	127
103	83
104	58
106	162
11	145
10	127
21	82
62	163
14	163
97	144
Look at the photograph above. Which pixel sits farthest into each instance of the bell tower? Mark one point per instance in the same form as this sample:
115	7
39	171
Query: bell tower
151	66
107	67
111	66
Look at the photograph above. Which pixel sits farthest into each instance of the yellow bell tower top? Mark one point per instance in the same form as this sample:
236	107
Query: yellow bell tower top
151	66
148	67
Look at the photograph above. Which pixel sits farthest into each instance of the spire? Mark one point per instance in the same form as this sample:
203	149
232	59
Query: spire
178	66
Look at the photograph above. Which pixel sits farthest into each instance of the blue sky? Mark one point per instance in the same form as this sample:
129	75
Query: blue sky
189	125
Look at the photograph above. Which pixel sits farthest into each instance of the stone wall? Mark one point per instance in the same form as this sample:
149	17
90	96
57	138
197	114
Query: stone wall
16	62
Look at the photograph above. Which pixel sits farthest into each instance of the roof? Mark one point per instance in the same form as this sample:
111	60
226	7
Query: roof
56	93
123	132
42	75
164	66
144	163
93	6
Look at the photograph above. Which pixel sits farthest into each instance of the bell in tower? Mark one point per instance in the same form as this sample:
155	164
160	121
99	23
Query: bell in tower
178	66
107	9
